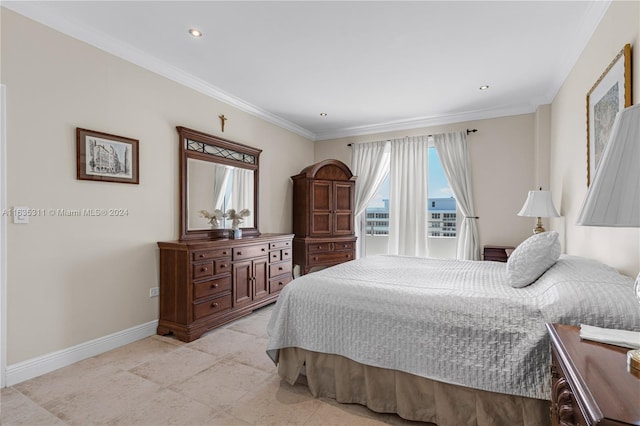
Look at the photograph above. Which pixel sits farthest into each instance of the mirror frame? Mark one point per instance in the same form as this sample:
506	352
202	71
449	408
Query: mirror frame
212	148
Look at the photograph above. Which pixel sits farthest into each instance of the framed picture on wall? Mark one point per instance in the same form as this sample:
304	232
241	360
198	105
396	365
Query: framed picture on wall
609	95
105	157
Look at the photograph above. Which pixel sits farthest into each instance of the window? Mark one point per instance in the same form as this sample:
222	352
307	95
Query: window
442	204
441	211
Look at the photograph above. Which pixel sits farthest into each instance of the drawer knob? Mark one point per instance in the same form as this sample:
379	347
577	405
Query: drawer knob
214	305
239	253
214	285
203	269
319	247
315	258
224	252
223	265
201	255
279	268
286	253
263	249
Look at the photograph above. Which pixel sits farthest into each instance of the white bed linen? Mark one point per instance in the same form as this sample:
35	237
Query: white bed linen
458	322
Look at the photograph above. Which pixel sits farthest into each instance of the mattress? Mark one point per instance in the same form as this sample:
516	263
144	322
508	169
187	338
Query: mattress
458	322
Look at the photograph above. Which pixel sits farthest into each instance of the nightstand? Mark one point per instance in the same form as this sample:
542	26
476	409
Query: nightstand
591	383
497	253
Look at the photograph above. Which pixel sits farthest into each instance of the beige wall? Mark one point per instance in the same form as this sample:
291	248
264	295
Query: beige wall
502	165
619	247
73	279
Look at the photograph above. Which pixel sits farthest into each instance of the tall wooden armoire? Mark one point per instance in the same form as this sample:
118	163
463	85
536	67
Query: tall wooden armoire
323	201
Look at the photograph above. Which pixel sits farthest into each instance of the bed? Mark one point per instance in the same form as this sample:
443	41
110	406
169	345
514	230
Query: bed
442	341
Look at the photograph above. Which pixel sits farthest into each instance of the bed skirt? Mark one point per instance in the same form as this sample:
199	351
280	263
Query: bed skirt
411	397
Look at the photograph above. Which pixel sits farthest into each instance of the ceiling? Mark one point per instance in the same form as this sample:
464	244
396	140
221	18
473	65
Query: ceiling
370	66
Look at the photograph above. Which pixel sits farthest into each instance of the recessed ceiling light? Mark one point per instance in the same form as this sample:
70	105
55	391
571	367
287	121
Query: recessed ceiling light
323	114
195	32
484	87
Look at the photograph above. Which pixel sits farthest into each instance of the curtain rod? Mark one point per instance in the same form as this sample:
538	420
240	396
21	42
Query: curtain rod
429	136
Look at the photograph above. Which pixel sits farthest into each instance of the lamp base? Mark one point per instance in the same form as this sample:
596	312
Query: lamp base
636	288
539	228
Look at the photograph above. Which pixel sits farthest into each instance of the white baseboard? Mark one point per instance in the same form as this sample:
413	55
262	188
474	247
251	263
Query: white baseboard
35	367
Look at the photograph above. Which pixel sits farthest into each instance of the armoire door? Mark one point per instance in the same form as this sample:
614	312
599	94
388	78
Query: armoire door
321	208
343	208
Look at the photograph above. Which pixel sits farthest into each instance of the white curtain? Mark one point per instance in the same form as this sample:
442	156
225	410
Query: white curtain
370	165
220	180
408	197
454	156
242	193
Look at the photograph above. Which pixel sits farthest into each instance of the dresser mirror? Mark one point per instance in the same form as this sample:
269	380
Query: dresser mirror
216	175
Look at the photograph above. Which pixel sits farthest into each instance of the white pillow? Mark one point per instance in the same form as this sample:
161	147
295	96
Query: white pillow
532	258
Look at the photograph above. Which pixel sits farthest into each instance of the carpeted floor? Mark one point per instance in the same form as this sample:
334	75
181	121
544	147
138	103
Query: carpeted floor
223	378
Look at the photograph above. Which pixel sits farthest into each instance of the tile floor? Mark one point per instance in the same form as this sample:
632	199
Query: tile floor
223	378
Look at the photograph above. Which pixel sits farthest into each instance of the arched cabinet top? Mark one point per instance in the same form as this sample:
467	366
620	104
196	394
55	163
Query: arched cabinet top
326	170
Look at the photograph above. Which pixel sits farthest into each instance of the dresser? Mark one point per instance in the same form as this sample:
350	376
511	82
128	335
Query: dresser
207	283
323	200
591	382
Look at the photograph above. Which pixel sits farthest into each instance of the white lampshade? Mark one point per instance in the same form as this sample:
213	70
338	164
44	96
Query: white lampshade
539	204
613	199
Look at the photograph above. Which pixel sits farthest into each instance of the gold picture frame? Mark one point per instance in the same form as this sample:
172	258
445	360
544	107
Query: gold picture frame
609	95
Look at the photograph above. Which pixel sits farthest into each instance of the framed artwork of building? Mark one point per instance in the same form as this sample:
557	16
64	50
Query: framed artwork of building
104	157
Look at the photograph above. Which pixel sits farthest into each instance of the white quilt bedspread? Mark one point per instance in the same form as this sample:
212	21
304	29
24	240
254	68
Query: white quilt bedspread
454	321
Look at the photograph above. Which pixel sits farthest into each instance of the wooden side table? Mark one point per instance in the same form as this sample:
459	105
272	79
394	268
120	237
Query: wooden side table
591	383
497	253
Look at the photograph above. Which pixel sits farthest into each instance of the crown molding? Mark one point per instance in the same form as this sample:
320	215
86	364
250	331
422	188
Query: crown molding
138	57
417	123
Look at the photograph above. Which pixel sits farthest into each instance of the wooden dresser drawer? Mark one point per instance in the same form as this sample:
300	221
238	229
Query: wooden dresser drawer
202	270
279	269
280	245
212	306
278	255
277	284
275	256
342	246
209	288
329	247
211	254
286	254
247	252
221	266
318	247
211	268
323	258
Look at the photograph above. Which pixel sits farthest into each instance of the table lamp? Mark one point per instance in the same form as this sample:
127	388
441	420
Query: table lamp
539	204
